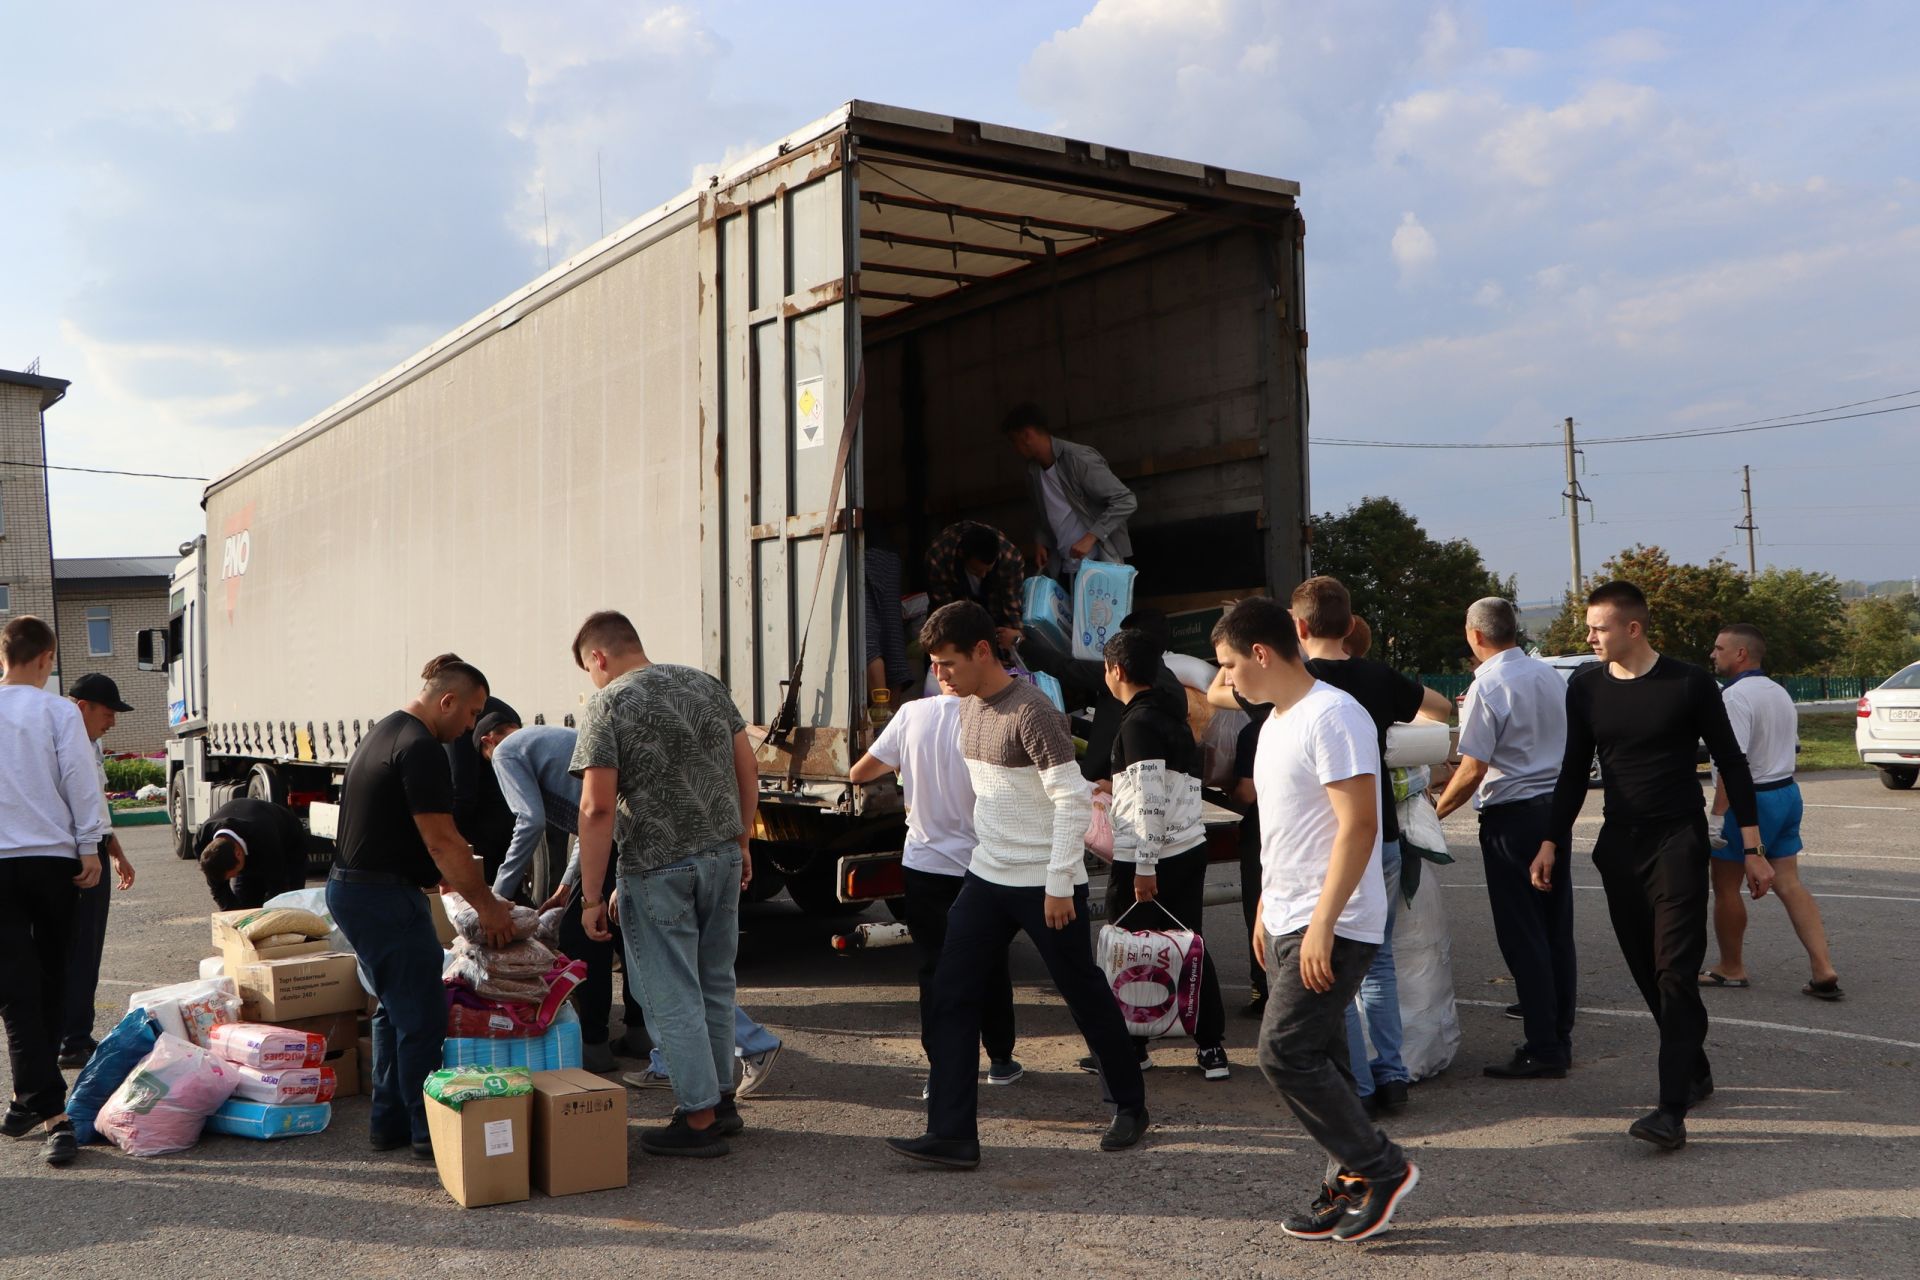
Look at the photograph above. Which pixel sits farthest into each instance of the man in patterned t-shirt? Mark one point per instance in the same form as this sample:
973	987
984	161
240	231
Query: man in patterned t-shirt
664	763
1028	875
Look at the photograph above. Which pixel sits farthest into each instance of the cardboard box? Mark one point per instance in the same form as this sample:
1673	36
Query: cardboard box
483	1149
342	1032
237	950
579	1132
298	987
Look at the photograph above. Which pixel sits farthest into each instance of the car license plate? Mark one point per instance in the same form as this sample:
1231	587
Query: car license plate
1900	714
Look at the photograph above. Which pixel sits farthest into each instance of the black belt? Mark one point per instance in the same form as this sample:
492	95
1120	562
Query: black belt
352	875
1505	805
1779	784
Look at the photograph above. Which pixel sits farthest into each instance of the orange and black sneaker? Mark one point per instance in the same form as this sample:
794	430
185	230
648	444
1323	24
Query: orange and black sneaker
1369	1213
1318	1221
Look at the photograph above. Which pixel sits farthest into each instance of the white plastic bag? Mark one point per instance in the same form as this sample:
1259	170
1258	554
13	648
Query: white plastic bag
314	900
1423	963
1419	742
1420	826
1154	975
165	1103
190	1010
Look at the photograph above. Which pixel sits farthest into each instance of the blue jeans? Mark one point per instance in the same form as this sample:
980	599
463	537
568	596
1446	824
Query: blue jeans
749	1038
391	931
1379	998
682	927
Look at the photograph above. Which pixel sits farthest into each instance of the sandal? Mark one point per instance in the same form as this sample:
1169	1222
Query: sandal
1828	990
1711	979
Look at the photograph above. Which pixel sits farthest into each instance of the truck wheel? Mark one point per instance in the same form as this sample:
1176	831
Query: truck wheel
264	783
813	892
177	815
1895	778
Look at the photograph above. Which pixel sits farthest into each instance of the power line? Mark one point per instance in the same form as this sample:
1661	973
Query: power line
101	471
1780	423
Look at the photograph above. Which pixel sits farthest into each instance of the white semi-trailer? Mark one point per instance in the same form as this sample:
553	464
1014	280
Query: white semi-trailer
655	426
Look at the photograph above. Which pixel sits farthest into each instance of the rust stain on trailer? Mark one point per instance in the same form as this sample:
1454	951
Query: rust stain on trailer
817	754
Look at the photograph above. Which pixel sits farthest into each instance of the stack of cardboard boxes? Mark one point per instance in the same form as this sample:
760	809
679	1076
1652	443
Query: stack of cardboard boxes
301	986
566	1137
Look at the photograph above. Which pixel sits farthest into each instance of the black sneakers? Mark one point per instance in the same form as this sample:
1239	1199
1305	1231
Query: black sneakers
1515	1012
61	1147
947	1153
77	1053
726	1117
18	1122
1524	1066
681	1139
1127	1129
1005	1071
1328	1210
1665	1131
1213	1063
1386	1099
1369	1211
1091	1064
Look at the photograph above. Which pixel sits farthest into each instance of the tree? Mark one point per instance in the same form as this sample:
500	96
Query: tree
1687	603
1802	616
1412	590
1879	638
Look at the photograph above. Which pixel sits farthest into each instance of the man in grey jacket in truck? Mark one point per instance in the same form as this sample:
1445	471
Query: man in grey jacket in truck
1080	507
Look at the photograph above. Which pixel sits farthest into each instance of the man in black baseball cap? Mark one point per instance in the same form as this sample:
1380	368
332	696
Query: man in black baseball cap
100	704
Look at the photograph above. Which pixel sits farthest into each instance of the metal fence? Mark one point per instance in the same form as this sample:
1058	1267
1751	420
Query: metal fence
1801	688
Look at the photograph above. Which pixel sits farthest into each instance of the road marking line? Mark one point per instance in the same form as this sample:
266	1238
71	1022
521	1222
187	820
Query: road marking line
1870	808
1717	1019
1595	888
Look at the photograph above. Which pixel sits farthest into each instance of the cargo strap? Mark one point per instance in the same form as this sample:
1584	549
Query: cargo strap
786	718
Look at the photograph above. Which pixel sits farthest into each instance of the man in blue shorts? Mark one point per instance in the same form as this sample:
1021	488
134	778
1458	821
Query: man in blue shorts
1768	728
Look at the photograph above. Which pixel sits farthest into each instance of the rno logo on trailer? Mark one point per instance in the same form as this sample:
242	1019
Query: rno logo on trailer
236	553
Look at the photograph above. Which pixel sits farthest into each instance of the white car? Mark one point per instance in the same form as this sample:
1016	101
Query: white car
1887	733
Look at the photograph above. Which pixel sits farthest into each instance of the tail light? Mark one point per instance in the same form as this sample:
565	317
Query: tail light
1865	709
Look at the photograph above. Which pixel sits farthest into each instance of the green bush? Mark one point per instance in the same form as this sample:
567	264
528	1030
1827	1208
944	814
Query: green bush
131	775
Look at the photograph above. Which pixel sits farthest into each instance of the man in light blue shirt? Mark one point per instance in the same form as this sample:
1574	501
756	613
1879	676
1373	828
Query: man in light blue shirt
1513	733
531	763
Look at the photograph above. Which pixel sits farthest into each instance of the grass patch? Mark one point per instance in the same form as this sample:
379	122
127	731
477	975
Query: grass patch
1826	742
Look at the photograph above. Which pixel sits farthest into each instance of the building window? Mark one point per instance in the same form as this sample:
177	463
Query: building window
3	513
99	631
6	598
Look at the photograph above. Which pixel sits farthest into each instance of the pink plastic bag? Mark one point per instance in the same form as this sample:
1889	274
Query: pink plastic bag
165	1103
1099	840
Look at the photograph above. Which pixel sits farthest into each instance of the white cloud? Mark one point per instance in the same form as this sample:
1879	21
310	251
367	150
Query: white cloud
1489	294
1413	246
1633	45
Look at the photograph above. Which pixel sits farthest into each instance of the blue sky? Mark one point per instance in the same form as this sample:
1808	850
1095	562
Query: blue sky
218	218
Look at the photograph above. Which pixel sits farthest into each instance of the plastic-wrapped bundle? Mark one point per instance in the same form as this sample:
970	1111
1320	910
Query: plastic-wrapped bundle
165	1103
1102	596
529	958
457	1086
1045	607
191	1010
263	1120
466	920
254	1044
280	1087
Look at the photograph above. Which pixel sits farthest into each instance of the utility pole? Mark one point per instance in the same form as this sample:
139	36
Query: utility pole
1747	525
1574	496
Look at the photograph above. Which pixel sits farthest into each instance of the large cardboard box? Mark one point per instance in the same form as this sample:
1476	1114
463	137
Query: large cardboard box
483	1149
579	1132
342	1032
237	950
274	991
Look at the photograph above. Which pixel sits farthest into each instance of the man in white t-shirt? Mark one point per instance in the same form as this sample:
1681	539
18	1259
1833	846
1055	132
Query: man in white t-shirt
1767	726
922	744
1322	912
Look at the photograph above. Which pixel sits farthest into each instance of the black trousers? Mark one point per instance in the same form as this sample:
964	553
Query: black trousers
1182	891
83	958
1250	902
929	898
593	998
983	922
36	930
1534	929
1656	881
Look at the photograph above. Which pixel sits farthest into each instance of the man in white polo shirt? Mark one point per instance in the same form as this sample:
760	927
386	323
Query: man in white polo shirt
1322	913
922	743
1767	727
1513	732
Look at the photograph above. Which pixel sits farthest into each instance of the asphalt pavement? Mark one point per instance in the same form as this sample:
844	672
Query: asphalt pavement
1805	1162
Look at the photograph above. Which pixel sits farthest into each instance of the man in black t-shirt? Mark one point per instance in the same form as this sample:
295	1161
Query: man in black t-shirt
397	838
1644	714
1323	616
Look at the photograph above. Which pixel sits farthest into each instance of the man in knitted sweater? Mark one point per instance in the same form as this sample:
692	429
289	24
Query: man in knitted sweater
1027	874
